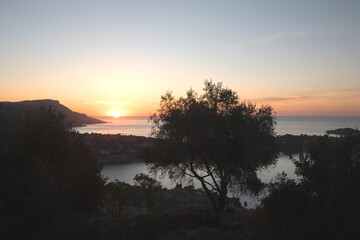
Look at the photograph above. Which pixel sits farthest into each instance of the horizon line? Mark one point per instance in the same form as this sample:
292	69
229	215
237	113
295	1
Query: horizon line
145	116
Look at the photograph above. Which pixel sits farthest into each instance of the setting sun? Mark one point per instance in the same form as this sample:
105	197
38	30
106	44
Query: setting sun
116	114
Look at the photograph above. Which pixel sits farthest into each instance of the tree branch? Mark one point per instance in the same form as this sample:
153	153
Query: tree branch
184	171
211	174
200	178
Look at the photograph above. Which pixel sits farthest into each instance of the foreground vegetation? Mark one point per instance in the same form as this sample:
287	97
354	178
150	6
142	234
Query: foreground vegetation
325	203
50	182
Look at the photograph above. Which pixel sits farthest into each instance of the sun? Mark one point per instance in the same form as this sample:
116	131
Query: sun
116	114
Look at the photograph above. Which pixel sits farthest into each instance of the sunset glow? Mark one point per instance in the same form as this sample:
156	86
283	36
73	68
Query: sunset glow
116	114
118	58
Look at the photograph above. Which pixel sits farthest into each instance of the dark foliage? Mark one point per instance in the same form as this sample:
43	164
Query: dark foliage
117	148
215	139
289	209
116	196
50	182
148	188
292	144
325	204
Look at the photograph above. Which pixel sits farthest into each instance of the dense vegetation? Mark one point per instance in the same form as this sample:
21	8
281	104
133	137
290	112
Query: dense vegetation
50	183
120	195
325	203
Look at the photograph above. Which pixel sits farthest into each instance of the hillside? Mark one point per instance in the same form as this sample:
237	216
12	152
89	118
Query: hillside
12	111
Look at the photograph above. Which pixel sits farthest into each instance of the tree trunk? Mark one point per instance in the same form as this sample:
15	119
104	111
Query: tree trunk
219	208
218	203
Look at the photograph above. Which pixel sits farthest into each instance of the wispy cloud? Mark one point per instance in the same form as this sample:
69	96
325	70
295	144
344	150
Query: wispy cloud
286	98
111	103
330	103
341	94
270	38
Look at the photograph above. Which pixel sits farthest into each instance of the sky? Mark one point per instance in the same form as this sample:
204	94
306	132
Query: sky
106	57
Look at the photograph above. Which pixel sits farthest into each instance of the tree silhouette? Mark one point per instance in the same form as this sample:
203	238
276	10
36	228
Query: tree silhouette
215	139
149	188
50	182
325	203
117	195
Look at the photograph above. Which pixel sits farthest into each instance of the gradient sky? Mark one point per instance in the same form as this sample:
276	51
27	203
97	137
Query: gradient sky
96	57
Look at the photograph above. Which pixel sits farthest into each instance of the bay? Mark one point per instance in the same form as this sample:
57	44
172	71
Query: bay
126	173
285	125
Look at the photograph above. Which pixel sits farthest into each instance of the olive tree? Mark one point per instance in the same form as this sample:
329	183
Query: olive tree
214	138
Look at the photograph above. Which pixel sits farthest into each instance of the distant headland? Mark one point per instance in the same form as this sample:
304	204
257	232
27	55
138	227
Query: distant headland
12	111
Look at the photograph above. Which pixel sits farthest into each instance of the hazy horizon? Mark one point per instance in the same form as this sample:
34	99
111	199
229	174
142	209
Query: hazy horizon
146	116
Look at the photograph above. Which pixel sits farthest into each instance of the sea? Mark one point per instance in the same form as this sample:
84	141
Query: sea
140	126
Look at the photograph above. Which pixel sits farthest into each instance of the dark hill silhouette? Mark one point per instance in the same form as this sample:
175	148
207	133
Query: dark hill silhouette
12	111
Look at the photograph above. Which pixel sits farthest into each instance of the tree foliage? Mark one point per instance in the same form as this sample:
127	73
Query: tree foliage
289	209
50	182
215	139
116	196
329	206
148	188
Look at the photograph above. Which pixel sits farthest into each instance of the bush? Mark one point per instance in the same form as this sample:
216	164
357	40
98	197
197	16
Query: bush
288	208
50	182
117	195
325	204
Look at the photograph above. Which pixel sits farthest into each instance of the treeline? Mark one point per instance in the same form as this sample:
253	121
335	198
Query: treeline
118	195
293	144
118	148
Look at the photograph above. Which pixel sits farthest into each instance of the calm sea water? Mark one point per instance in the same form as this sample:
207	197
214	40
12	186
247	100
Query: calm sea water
138	126
314	125
286	125
126	173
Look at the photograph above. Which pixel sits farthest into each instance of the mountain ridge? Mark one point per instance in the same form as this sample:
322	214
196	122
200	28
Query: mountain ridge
12	111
